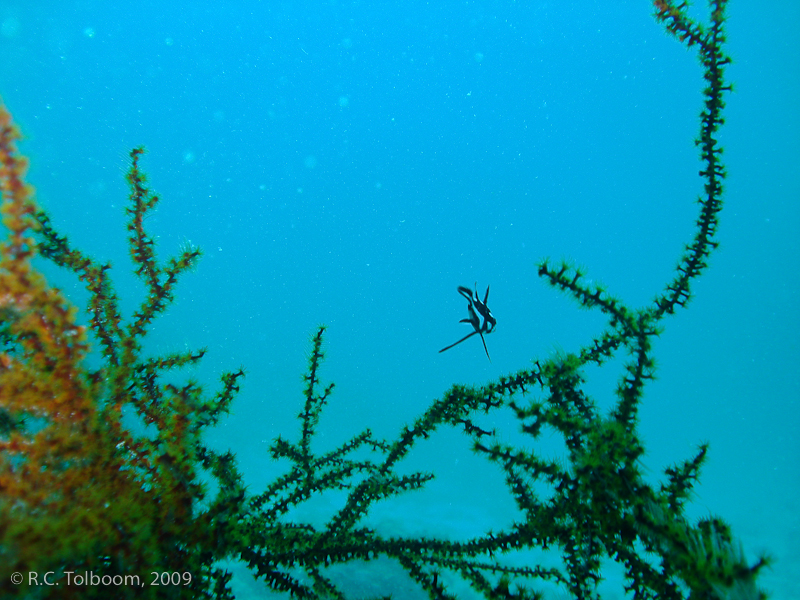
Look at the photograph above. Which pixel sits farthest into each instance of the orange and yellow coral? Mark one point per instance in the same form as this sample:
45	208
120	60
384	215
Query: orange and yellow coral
77	488
59	471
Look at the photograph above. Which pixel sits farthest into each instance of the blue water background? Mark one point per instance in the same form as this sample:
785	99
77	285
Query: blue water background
352	163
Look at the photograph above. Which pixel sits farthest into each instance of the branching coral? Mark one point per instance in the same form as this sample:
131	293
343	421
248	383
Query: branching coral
79	491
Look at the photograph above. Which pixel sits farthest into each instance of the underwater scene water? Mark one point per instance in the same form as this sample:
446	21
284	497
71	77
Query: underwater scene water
352	163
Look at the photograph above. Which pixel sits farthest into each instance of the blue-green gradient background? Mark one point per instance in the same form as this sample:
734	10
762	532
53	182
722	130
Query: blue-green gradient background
351	163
